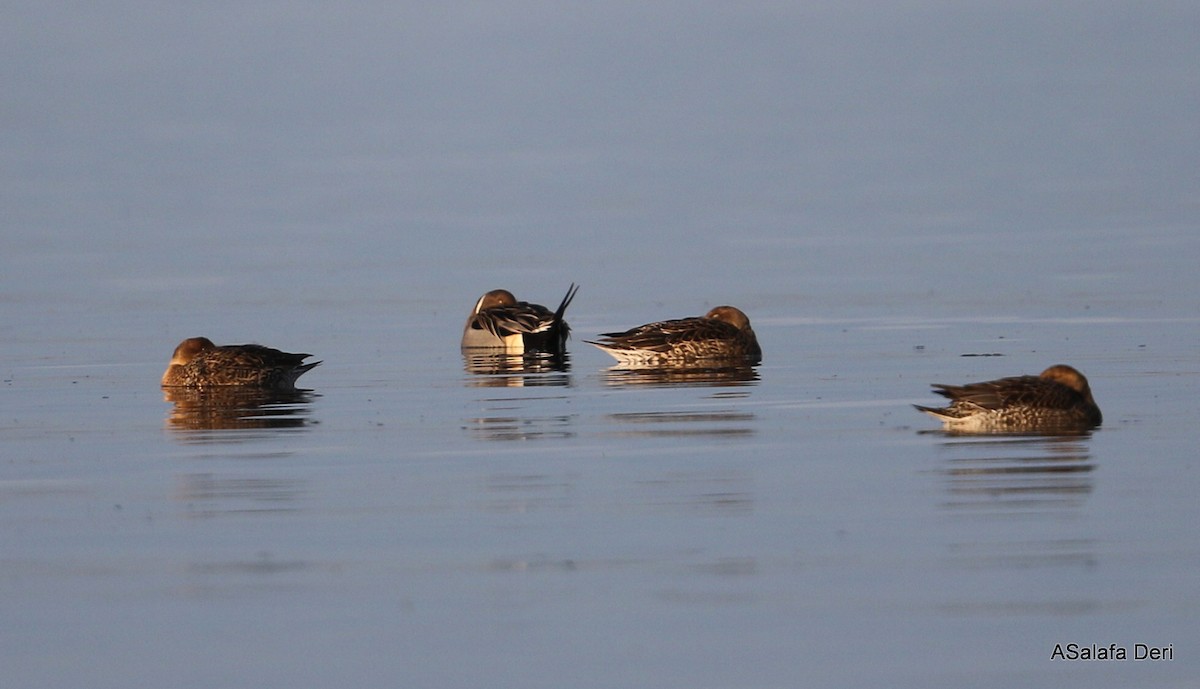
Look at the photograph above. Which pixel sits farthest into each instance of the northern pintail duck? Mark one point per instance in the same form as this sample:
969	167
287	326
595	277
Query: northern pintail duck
499	321
198	363
721	335
1057	400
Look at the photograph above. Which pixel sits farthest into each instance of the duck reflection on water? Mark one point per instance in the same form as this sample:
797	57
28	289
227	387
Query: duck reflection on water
205	494
521	424
1000	489
698	375
1017	473
503	370
518	416
714	423
236	409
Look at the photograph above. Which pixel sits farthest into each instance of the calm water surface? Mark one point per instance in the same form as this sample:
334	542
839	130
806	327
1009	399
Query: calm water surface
892	208
412	521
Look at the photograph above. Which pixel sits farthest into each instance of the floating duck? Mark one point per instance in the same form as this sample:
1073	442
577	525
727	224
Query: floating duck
1057	400
198	363
500	322
721	335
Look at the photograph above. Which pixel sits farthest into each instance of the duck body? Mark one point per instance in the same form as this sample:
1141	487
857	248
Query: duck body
500	322
198	363
1057	400
721	335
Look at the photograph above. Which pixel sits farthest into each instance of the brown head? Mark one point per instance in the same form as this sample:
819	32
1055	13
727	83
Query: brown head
184	353
1061	373
730	315
497	297
189	348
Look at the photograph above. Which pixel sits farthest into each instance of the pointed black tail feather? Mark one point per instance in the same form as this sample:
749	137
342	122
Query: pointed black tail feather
559	330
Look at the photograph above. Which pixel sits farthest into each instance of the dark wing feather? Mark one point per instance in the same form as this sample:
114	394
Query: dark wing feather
1030	391
663	336
249	364
257	356
519	318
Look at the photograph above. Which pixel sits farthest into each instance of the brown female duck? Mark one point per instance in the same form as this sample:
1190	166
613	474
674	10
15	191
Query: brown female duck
198	363
1057	400
723	335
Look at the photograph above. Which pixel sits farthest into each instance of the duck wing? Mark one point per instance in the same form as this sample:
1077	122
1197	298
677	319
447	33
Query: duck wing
663	336
1025	391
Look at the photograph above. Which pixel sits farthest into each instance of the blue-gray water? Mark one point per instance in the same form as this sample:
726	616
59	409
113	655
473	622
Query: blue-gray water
891	192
